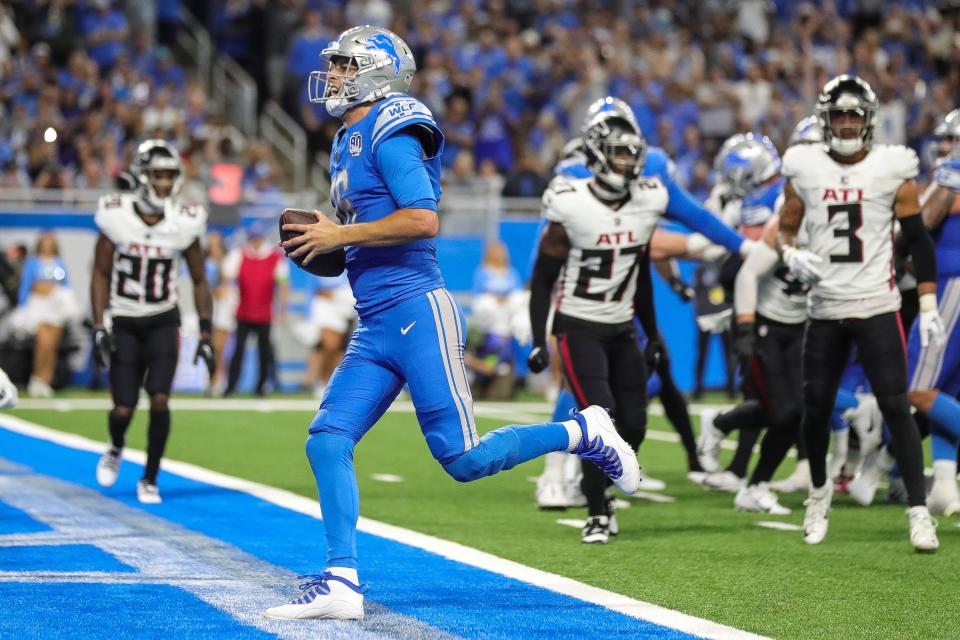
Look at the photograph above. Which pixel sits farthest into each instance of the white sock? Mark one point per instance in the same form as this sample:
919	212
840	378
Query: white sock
345	572
574	433
944	470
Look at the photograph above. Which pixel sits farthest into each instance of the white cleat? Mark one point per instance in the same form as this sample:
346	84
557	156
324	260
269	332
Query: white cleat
708	445
550	494
724	481
943	497
923	530
696	477
816	519
148	493
758	498
602	445
876	466
596	530
651	484
108	468
799	480
867	421
326	597
38	388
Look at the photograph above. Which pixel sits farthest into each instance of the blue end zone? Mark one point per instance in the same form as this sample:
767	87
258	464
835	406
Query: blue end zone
113	610
74	557
16	521
449	596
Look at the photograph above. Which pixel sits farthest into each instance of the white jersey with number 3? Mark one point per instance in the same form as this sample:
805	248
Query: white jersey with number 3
848	215
607	246
146	261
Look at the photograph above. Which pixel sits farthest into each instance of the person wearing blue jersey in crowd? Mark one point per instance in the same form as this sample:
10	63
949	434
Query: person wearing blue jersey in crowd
385	188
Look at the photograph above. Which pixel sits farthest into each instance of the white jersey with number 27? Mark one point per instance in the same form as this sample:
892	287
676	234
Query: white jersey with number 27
607	245
848	215
146	260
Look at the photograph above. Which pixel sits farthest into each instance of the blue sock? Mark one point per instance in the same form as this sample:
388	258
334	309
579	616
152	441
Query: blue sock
943	445
653	386
845	400
837	423
331	458
565	406
506	447
945	413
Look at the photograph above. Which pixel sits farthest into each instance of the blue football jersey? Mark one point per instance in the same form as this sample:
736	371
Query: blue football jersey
384	276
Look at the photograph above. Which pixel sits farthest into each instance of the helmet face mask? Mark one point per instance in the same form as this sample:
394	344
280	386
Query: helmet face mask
847	112
363	64
613	144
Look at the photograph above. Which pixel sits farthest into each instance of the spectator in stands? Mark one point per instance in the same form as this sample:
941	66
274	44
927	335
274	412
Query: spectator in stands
45	306
261	273
105	31
528	179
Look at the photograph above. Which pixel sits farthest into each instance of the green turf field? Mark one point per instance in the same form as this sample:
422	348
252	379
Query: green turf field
695	555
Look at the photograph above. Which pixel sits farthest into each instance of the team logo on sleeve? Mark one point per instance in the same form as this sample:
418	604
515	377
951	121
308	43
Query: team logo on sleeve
356	144
383	42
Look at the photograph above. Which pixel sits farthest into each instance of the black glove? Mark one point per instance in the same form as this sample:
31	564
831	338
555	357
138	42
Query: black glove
745	344
653	353
205	353
102	346
539	359
684	291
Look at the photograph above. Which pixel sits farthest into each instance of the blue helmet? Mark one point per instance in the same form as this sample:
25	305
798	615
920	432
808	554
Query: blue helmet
746	161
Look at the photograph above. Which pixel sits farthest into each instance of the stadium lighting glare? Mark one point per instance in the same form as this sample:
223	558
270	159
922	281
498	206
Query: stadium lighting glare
50	135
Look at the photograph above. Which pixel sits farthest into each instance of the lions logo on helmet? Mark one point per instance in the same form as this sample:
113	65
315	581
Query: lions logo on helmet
851	99
159	174
614	147
363	64
746	161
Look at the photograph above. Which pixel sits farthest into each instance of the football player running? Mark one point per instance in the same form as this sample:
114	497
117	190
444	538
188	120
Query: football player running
935	368
598	235
385	172
142	237
847	195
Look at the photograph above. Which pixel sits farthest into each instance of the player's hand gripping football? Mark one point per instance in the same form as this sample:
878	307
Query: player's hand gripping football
205	353
539	359
931	324
321	237
803	264
102	346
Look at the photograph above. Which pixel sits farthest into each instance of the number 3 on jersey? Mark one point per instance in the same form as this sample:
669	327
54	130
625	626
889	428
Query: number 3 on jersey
854	221
603	269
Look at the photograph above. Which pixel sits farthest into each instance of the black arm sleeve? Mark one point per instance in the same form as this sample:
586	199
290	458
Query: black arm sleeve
545	273
921	247
643	298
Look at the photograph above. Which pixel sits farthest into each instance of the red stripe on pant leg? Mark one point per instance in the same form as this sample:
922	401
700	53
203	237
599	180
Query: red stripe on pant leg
571	376
757	372
903	338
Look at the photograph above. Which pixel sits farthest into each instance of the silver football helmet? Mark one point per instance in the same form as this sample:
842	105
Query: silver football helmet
745	162
947	134
847	94
159	174
363	64
807	131
613	144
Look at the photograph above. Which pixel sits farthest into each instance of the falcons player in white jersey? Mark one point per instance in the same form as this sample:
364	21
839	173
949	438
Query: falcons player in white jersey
598	235
142	238
846	194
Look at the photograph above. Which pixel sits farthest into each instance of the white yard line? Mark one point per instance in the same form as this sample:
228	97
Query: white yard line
782	526
445	548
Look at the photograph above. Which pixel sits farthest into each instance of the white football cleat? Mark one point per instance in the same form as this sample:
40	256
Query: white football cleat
758	498
875	468
326	596
651	484
38	388
816	519
602	445
148	493
596	530
867	421
708	445
923	530
108	468
696	477
944	498
550	494
724	481
799	480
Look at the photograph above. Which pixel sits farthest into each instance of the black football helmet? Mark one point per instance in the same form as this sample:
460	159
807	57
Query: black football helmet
846	94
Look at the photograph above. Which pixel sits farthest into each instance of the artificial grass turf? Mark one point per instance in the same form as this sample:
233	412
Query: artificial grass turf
695	555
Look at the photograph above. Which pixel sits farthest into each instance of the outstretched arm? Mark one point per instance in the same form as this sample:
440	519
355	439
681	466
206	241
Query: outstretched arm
683	208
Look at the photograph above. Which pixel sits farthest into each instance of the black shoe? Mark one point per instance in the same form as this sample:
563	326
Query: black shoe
596	531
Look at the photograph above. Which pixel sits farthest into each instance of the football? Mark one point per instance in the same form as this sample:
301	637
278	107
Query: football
326	264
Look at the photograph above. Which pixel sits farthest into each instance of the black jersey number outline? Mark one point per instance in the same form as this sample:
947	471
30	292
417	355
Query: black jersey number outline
604	269
854	221
156	284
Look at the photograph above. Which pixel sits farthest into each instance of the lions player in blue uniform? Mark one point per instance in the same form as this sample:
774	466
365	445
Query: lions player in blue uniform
385	189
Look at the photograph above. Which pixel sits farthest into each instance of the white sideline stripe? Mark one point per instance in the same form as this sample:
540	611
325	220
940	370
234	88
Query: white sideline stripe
445	548
652	497
568	522
386	477
782	526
